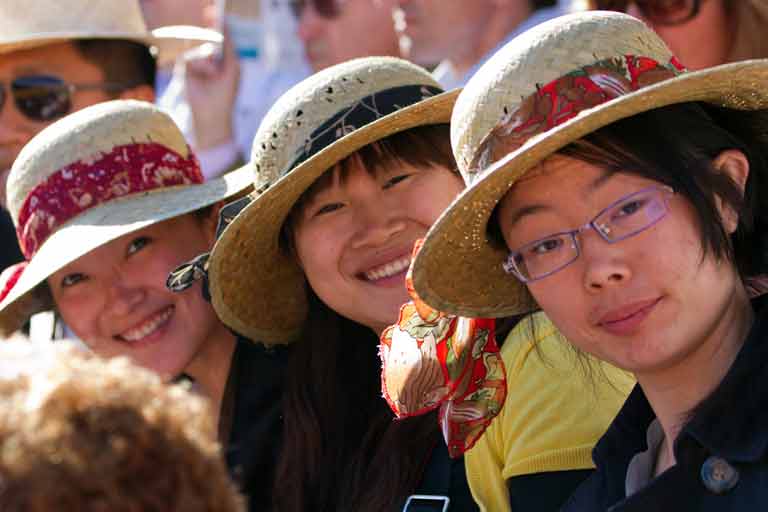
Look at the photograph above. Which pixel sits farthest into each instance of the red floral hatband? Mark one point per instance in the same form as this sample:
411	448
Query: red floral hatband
80	186
564	98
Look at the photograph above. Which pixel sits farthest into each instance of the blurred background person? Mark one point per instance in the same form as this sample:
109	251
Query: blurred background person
218	96
702	33
461	35
334	31
81	433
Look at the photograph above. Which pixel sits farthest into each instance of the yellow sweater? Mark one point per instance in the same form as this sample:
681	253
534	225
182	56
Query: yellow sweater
557	407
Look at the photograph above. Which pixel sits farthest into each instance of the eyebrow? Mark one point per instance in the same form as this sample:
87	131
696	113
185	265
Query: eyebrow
532	209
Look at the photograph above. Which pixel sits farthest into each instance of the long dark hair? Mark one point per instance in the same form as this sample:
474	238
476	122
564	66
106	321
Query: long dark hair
342	450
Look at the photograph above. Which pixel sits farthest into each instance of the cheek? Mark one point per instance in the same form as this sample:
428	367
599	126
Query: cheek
318	251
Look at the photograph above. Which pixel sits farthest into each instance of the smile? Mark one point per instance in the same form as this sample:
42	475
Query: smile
148	326
388	269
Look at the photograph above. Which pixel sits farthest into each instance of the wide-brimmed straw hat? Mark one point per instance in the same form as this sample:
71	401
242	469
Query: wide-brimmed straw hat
33	23
256	288
89	178
547	88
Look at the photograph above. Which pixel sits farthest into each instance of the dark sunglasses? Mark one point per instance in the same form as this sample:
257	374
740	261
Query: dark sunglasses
658	12
325	8
45	98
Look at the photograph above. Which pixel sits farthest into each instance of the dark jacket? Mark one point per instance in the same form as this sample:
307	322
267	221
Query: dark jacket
721	454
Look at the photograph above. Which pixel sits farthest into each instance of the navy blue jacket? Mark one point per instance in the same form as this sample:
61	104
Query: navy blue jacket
722	453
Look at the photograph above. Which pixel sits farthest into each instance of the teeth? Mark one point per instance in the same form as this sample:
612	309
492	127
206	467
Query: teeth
388	270
148	327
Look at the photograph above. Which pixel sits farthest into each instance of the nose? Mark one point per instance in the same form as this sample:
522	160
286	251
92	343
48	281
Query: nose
376	216
605	265
309	23
124	296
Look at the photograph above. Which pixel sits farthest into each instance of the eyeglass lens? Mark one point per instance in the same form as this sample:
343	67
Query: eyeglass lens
625	218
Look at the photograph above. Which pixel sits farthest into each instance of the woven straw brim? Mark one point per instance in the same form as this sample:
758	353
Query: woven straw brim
170	41
102	224
256	288
459	271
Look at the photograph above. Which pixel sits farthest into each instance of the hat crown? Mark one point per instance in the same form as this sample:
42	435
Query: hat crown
83	137
316	106
542	54
33	19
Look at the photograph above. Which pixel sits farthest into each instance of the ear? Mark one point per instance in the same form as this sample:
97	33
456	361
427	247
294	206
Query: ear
140	92
734	164
210	222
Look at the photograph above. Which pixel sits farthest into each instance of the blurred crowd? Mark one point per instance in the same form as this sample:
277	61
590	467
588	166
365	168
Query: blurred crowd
225	86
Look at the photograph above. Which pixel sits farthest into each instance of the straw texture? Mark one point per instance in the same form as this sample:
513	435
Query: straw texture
256	288
458	245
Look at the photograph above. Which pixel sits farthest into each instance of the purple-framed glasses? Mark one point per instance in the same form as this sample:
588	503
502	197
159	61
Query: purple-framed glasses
624	218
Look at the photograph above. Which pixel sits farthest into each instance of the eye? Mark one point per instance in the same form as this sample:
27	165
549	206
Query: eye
546	246
72	279
629	208
328	208
138	244
395	180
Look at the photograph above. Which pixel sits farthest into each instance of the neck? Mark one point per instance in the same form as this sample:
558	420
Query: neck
210	367
498	26
675	392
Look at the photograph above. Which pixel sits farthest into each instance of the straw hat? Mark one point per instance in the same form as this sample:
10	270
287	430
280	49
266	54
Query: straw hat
545	89
257	289
32	23
89	178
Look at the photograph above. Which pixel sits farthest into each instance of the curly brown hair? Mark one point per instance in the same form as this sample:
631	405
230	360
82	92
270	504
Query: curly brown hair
81	433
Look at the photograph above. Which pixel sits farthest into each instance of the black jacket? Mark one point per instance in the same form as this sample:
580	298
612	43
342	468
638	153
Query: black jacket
722	453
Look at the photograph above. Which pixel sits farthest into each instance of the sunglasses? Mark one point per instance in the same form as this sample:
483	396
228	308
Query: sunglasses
658	12
45	98
325	8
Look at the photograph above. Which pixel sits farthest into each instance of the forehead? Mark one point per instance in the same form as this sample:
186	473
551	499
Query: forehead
61	59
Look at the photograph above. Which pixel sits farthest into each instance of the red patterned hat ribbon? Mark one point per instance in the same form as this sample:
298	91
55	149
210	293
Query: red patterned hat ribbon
125	170
432	360
564	98
9	277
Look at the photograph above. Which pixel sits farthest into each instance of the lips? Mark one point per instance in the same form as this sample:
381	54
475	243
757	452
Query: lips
627	318
148	326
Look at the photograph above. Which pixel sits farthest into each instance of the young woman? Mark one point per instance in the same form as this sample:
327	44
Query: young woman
106	203
634	219
353	166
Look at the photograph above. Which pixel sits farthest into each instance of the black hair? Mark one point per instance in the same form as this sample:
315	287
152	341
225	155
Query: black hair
122	61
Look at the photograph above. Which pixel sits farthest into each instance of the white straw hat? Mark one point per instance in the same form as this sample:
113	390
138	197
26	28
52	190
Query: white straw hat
547	88
89	178
32	23
256	288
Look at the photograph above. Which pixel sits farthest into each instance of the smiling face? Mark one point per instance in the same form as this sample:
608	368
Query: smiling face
354	236
646	303
114	298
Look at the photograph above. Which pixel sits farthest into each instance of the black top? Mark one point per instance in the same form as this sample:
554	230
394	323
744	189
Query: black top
721	454
10	252
251	423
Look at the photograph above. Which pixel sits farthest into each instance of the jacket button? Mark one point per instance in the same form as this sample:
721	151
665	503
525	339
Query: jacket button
718	475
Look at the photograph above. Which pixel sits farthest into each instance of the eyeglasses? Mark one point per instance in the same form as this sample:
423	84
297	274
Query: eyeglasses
658	12
45	98
325	8
622	219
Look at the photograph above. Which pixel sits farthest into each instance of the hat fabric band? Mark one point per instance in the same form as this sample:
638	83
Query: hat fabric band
565	97
69	191
361	113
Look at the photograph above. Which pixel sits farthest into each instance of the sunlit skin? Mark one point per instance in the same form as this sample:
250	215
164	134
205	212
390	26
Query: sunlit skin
361	28
63	61
114	299
354	238
679	318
